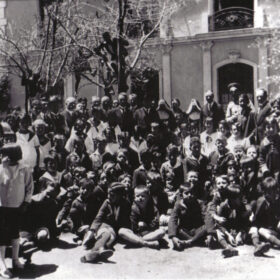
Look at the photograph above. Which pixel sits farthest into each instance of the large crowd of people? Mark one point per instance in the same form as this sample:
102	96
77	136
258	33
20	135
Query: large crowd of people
139	173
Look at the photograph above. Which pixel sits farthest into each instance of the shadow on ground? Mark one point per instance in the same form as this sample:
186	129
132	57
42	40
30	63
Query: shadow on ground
34	271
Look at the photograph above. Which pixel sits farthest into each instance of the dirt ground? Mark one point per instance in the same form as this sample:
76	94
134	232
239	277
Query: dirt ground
63	262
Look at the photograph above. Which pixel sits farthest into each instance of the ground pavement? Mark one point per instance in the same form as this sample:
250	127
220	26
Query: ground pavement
63	262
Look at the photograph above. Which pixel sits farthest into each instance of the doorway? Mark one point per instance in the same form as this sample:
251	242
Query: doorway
235	72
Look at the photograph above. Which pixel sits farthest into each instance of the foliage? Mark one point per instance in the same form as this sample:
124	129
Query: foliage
4	93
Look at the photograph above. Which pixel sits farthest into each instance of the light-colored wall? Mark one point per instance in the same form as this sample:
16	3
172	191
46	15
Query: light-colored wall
186	72
245	47
187	65
188	21
22	12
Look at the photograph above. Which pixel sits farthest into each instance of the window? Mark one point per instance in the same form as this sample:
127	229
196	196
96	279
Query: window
232	14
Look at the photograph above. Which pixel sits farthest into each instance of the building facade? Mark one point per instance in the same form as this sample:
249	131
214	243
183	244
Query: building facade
205	46
215	42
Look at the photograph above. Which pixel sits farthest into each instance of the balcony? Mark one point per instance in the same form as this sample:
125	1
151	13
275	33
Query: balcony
231	18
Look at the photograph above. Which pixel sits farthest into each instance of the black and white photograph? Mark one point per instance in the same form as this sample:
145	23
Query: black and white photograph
139	139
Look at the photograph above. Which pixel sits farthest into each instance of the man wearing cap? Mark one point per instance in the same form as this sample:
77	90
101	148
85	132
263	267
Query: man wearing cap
212	109
233	108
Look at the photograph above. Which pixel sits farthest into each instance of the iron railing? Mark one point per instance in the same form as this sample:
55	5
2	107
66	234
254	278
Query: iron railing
231	18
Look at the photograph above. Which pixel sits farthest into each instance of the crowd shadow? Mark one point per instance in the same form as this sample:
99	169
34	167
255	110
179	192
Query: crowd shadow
33	271
62	244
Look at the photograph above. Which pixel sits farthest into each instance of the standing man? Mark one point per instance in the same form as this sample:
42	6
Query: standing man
264	110
212	109
122	115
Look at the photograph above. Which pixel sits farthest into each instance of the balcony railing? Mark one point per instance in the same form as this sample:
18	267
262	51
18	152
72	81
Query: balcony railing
231	18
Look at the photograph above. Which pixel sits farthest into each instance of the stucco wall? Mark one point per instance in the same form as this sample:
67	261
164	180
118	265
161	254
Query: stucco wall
188	21
186	72
22	12
245	47
187	65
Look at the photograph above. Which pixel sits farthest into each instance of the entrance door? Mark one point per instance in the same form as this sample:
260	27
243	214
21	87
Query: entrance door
235	72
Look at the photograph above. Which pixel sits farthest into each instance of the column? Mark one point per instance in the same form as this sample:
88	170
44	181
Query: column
160	79
3	20
258	15
210	7
263	63
207	66
166	72
69	85
210	14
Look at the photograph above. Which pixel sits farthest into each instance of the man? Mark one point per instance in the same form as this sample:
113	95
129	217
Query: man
68	113
234	109
212	109
122	115
133	102
263	111
55	120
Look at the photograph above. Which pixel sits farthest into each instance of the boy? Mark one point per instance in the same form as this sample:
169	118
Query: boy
265	216
80	214
144	217
208	137
270	148
220	158
186	226
196	161
140	174
112	216
225	214
39	224
172	171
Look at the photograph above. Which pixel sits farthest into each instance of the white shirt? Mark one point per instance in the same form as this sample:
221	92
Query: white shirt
16	185
28	147
208	142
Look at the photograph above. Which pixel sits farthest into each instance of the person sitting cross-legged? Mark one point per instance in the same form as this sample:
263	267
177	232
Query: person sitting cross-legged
145	231
112	216
186	226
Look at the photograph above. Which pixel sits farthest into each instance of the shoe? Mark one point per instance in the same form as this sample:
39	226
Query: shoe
17	265
163	243
229	252
261	249
187	244
91	257
153	244
105	254
28	245
6	274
